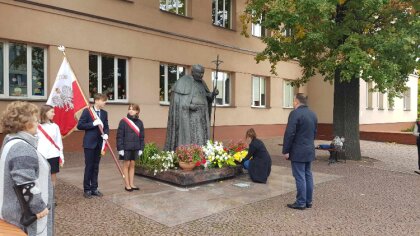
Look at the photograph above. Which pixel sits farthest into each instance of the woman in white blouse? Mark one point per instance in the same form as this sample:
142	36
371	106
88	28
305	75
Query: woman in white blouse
50	144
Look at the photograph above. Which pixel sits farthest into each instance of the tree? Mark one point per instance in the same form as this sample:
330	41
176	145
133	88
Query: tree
345	41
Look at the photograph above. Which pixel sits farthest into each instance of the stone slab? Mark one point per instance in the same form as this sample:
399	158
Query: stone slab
171	205
192	178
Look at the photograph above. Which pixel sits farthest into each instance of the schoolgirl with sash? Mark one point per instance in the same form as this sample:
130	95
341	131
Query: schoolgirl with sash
50	144
130	143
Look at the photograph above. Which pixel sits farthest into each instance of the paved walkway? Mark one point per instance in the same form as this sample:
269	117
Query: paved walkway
372	197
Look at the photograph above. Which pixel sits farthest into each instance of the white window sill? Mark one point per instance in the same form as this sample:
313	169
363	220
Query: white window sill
259	107
24	98
287	107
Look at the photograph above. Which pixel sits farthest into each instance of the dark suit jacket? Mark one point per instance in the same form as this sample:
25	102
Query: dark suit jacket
92	138
260	164
300	135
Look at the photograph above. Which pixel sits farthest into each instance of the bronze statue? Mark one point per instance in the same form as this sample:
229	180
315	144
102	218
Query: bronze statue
189	111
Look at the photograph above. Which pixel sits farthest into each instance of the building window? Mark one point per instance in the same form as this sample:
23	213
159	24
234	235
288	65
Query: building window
22	71
380	101
369	95
391	103
407	100
222	13
174	6
257	30
108	75
169	74
288	94
287	32
258	91
223	85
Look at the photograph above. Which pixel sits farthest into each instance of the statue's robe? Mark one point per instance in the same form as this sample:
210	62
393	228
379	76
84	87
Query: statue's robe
187	126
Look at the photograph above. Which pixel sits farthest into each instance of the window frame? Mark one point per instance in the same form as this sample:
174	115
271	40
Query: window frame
381	101
286	83
261	79
369	95
228	76
230	14
407	100
99	67
177	13
29	69
262	30
166	82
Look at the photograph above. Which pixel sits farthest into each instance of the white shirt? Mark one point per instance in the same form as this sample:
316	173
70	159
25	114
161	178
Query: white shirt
45	147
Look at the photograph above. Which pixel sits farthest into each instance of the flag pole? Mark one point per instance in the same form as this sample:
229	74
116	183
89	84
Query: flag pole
63	49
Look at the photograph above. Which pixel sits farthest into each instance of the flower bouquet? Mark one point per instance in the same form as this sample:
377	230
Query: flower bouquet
154	160
237	149
161	162
192	155
217	156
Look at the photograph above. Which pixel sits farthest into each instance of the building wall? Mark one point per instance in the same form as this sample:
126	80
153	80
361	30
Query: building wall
376	115
147	36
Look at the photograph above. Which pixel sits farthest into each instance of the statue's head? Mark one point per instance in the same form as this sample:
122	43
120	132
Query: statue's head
197	71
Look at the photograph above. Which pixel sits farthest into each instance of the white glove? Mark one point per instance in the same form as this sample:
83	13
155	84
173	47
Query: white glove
140	152
98	122
105	136
121	153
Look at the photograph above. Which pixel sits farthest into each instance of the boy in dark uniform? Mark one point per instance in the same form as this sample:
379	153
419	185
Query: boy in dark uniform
91	121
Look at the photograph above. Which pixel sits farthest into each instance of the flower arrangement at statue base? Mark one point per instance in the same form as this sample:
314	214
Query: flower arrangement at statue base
237	149
190	156
156	161
217	156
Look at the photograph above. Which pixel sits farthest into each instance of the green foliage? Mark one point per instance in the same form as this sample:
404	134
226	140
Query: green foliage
411	129
376	40
150	149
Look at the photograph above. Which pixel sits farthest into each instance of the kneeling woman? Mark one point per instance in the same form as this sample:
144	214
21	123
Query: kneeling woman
258	160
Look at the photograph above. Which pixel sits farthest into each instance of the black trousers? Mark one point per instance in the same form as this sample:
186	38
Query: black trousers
418	150
92	159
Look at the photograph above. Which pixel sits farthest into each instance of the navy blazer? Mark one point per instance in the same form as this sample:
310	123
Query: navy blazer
92	138
300	135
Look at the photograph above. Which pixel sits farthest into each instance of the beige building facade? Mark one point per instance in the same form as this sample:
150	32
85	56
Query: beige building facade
133	50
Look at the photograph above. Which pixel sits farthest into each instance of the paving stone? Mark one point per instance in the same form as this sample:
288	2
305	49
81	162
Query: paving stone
376	196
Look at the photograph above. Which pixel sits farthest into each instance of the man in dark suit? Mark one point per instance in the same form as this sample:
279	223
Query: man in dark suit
91	120
299	148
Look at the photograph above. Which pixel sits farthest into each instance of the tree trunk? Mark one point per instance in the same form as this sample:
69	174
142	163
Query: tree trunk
346	114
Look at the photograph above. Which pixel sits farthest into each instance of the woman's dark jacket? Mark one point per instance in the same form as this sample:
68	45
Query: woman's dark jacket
127	139
260	164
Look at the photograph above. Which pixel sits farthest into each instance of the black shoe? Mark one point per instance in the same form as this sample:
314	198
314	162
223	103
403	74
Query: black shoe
135	188
87	194
308	205
295	206
97	193
128	189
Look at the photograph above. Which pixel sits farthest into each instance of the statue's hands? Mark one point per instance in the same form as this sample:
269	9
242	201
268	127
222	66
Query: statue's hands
193	107
216	92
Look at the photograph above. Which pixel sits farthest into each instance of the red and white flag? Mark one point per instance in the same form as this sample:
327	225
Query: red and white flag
67	99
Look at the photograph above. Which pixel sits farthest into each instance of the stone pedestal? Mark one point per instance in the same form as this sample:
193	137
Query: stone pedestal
192	178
